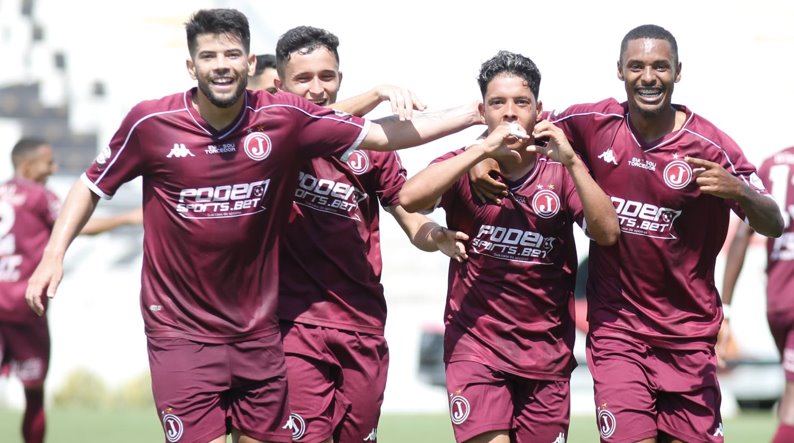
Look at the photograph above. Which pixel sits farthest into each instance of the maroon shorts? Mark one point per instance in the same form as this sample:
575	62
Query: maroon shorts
482	399
201	388
640	389
25	350
336	382
781	325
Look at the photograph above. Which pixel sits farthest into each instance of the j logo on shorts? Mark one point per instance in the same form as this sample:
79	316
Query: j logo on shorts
459	409
297	425
173	427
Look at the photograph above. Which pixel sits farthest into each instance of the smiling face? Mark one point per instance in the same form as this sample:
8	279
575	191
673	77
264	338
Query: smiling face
221	66
312	74
649	70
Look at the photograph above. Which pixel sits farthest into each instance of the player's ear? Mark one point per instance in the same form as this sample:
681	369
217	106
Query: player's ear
251	65
191	68
277	83
620	71
678	72
340	78
539	109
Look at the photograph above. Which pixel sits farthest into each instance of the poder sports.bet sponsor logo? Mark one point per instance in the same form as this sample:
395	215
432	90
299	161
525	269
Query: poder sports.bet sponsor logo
512	243
328	195
234	200
644	218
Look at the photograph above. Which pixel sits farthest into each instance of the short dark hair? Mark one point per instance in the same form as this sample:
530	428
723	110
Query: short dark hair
25	147
263	62
218	21
304	37
652	32
516	64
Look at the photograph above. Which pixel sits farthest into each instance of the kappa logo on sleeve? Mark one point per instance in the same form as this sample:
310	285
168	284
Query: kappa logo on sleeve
104	156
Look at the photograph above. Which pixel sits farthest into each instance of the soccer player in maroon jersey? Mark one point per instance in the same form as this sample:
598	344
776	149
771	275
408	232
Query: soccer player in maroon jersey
220	168
265	75
332	306
27	213
653	308
508	341
777	173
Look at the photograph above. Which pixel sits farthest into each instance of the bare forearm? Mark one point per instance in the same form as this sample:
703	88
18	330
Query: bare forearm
359	105
735	261
763	214
417	227
599	213
422	190
79	205
390	133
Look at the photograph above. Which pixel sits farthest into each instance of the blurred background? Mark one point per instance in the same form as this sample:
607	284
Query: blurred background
71	71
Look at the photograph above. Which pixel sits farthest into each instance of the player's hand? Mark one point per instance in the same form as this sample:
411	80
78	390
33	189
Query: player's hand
713	179
450	242
44	281
483	185
557	146
403	101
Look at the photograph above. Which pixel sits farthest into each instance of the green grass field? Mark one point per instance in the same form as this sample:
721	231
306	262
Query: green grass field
141	426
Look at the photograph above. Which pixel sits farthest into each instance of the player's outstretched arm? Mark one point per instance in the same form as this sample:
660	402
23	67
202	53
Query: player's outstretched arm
762	212
429	236
98	225
403	102
422	191
733	267
79	205
391	133
602	220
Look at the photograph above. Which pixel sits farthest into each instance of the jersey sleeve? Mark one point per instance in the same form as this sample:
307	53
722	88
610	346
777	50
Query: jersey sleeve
324	131
391	178
732	159
122	159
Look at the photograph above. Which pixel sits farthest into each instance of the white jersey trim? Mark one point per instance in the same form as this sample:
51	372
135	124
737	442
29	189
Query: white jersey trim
94	188
127	139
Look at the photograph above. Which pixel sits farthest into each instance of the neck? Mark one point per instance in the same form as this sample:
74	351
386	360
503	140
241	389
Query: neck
514	169
655	126
215	116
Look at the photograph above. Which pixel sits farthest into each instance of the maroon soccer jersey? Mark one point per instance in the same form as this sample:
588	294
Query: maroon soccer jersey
214	203
658	281
27	214
330	252
777	172
510	305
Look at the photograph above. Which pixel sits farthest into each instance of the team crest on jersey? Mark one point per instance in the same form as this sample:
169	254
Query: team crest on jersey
257	146
678	174
104	156
358	162
173	427
459	409
546	203
606	423
297	425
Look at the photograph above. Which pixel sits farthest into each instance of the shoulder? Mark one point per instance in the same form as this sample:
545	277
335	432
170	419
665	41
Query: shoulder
708	133
170	104
605	108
